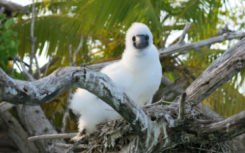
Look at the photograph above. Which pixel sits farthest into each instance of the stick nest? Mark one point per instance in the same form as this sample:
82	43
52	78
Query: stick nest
117	135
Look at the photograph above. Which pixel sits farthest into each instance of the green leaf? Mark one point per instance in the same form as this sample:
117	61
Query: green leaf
7	34
9	23
12	48
2	51
2	16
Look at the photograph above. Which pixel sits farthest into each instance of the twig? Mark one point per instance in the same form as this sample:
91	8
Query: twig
5	106
50	62
77	143
76	51
38	68
47	66
182	37
69	97
32	39
66	114
12	73
24	77
52	136
80	146
178	48
159	102
30	77
182	107
70	52
183	47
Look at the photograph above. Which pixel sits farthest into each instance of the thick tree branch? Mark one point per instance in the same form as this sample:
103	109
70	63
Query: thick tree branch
203	131
11	6
18	134
45	89
219	72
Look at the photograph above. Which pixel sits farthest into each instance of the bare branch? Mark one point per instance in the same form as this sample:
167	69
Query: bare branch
66	113
12	72
38	124
69	97
76	51
70	52
45	89
179	48
44	68
213	131
18	134
81	146
38	68
219	72
72	147
24	69
5	106
47	65
182	107
52	136
182	37
32	39
11	6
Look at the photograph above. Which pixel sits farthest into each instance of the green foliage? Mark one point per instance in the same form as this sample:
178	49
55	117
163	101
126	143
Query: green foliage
8	42
107	21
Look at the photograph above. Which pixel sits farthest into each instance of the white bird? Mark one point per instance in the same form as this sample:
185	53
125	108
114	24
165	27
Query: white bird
138	73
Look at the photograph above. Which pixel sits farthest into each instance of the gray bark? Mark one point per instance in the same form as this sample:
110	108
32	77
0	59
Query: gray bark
18	134
36	123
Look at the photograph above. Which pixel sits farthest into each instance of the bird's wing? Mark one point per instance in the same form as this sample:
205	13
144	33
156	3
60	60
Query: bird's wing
120	75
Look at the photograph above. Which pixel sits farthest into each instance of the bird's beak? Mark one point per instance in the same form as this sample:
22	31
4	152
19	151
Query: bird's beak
140	42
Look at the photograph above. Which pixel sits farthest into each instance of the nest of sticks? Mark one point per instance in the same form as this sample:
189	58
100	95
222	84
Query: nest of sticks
118	136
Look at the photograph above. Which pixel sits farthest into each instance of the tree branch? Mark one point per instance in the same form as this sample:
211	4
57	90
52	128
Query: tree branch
76	51
38	68
203	131
182	37
180	48
32	39
5	106
52	136
18	134
43	90
219	72
81	146
11	6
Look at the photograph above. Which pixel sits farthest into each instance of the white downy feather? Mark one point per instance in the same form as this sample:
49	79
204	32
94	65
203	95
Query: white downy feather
138	73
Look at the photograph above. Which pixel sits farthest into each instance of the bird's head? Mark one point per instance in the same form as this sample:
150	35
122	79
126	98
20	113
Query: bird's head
138	37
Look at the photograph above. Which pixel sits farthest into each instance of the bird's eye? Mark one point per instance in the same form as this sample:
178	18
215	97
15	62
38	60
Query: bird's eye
133	38
146	37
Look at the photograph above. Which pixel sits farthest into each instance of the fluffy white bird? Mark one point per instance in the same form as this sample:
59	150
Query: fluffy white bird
138	73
